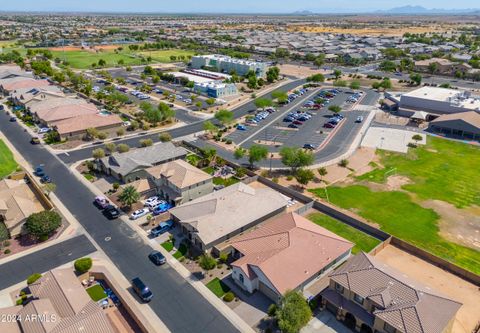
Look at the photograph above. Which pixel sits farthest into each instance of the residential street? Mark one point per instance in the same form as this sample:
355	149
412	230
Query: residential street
176	302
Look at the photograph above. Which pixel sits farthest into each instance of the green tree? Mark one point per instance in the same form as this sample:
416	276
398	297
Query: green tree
210	101
91	133
432	68
120	132
335	108
319	60
272	74
316	78
43	224
293	312
296	158
343	163
207	262
417	138
210	156
224	116
337	73
262	103
102	63
322	172
98	153
355	85
339	83
129	196
83	265
239	153
209	127
167	113
417	78
256	153
110	147
304	176
280	96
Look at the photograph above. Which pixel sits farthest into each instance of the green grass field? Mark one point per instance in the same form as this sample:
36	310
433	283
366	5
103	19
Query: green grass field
442	170
85	59
362	241
164	55
218	287
7	162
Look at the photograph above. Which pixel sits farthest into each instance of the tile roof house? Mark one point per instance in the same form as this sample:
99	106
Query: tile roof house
17	202
26	96
131	165
61	305
63	112
19	82
179	182
218	216
287	252
371	296
11	71
76	127
39	108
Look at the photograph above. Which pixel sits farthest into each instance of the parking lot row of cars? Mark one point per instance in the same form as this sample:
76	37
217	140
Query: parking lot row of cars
355	97
297	118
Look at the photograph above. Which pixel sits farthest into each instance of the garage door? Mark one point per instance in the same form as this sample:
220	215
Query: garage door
332	308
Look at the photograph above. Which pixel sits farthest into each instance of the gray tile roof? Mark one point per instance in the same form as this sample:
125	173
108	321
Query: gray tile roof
125	163
403	303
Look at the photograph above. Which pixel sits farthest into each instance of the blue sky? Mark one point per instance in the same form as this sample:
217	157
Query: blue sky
225	6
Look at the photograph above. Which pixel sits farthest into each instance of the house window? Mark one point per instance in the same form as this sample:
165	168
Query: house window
359	299
339	288
388	328
241	278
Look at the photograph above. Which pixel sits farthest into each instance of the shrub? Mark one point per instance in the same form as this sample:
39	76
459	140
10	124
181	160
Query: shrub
223	257
34	277
165	137
272	310
229	142
343	163
43	224
289	177
6	243
313	304
146	142
43	238
4	234
7	251
275	180
207	262
82	265
19	301
230	296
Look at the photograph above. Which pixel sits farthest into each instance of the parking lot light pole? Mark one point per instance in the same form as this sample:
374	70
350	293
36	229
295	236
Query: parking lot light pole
271	157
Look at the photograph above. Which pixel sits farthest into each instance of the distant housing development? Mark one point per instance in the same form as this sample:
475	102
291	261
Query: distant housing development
227	64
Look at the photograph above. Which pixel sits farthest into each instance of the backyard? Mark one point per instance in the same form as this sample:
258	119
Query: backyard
442	171
96	292
7	162
362	241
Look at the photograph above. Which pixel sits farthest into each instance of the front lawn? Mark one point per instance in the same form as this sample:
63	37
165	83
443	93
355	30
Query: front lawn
395	213
96	293
218	287
362	241
7	162
168	245
180	252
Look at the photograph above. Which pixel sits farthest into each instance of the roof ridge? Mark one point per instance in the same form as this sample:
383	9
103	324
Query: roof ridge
261	236
434	295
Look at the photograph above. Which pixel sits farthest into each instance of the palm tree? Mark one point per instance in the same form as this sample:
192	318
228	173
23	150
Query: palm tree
210	155
129	196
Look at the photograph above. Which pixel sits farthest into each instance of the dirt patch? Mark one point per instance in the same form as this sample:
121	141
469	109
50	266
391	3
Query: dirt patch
300	71
443	282
395	183
457	225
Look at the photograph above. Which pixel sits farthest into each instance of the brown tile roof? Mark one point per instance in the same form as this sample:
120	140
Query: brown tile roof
289	241
403	303
50	103
180	173
22	82
62	112
470	117
81	123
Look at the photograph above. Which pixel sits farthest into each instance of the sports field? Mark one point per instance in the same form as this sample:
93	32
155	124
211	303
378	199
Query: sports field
82	59
442	170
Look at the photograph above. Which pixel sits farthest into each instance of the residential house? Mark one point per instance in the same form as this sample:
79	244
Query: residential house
218	216
288	252
370	296
20	82
76	127
49	109
60	305
11	71
17	203
179	182
131	165
443	66
23	97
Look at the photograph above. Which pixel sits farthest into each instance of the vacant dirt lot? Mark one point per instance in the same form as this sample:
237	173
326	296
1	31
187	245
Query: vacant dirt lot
299	71
447	284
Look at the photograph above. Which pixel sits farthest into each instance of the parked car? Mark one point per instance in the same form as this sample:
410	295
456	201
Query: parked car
241	127
142	290
35	140
297	122
101	202
139	213
292	125
111	212
151	200
161	208
13	119
157	258
161	228
45	179
288	119
38	171
308	146
329	125
359	119
43	130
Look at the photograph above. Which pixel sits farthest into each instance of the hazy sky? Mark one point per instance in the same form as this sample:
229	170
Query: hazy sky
225	6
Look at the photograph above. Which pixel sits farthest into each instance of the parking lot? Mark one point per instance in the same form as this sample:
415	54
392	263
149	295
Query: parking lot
308	129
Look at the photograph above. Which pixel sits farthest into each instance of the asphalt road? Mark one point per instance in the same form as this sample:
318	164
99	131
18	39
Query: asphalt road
175	301
84	153
19	270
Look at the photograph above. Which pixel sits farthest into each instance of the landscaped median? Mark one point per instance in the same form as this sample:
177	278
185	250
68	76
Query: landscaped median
426	197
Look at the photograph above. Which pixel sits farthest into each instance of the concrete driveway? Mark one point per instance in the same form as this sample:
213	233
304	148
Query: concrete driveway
325	322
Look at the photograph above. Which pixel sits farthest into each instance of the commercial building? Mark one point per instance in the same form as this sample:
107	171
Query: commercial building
216	89
131	165
228	65
438	101
285	253
179	182
370	296
465	125
218	216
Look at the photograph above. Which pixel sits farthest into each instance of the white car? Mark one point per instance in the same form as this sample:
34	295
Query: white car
151	199
44	130
139	213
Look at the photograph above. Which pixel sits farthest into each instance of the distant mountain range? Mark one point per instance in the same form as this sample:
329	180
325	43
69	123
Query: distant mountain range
404	10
